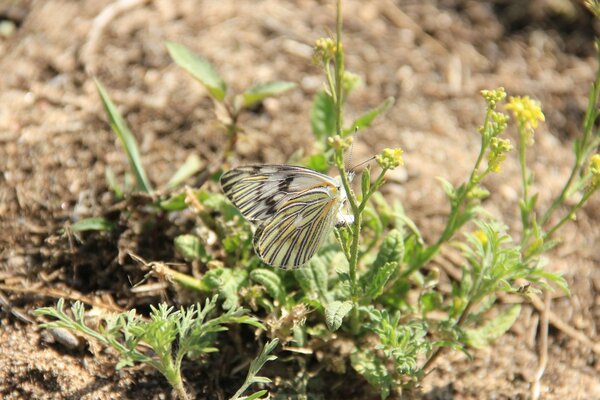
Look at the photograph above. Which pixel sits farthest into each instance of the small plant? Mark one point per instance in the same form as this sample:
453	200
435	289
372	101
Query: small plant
164	339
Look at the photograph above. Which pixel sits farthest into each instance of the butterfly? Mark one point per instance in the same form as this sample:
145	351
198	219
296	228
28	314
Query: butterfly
293	208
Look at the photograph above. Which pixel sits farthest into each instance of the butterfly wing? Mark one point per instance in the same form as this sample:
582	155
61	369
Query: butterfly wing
259	191
299	228
295	209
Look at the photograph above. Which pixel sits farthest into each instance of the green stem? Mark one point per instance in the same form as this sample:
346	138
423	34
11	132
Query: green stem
339	69
457	203
523	164
173	376
440	350
569	215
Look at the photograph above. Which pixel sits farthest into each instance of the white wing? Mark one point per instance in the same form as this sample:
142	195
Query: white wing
259	191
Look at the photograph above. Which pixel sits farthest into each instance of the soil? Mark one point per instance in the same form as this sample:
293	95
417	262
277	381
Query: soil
433	57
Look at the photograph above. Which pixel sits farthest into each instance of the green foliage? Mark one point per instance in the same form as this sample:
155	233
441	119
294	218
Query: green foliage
199	68
92	224
190	167
255	366
257	93
322	116
366	363
191	248
492	329
335	313
119	126
170	334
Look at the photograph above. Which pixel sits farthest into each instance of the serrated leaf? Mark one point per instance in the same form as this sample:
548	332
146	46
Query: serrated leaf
191	248
270	280
261	91
322	116
373	282
373	370
199	68
391	250
126	138
494	328
92	224
313	279
191	166
335	313
368	117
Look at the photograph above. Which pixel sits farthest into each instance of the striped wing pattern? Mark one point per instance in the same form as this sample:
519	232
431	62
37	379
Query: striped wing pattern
295	209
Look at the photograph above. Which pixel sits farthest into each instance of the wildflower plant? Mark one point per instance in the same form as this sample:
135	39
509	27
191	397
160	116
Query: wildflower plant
374	285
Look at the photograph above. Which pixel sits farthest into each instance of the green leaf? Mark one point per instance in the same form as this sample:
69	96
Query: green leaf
391	250
365	182
318	162
322	116
191	248
447	187
431	301
374	371
313	279
199	68
92	224
270	280
367	118
118	125
335	313
228	282
261	91
190	167
491	330
255	395
373	282
174	203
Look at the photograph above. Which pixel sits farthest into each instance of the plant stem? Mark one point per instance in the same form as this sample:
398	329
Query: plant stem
570	214
339	69
173	375
440	350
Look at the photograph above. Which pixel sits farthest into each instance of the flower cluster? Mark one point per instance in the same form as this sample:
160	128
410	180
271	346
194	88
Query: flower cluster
492	97
528	113
498	149
390	158
339	143
324	51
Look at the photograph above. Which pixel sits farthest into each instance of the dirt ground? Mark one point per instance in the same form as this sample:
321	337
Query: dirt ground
433	57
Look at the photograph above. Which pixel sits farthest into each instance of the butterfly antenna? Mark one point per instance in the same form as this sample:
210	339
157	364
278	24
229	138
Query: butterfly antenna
362	163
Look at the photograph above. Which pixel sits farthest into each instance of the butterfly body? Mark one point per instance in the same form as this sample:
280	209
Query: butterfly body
294	209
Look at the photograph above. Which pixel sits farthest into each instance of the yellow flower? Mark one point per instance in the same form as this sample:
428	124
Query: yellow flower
480	236
324	50
498	149
595	169
528	113
492	97
390	158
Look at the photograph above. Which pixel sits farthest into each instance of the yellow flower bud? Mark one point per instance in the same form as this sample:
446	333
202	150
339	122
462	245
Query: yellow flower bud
390	158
